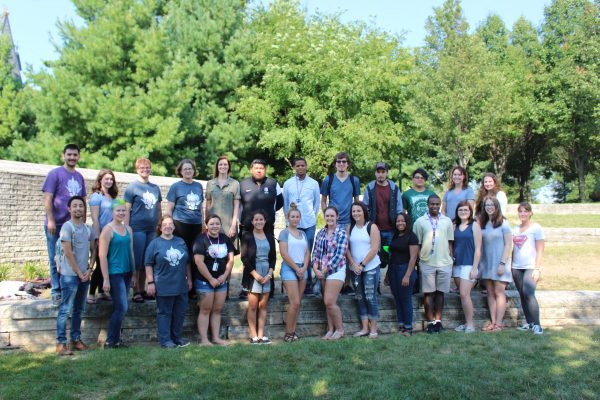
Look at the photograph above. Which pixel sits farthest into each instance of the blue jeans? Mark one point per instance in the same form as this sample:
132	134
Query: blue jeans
141	240
402	295
73	293
310	235
386	239
366	293
170	314
119	286
51	245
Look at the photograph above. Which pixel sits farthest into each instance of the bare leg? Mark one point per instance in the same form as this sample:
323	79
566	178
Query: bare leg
439	304
206	304
499	289
215	317
428	306
294	290
465	300
262	314
491	298
334	314
251	314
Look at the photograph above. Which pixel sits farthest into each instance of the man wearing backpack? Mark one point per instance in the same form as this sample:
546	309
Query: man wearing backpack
384	201
340	190
75	256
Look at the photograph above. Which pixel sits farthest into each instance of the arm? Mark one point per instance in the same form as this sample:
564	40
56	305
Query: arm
506	252
170	208
414	252
279	200
283	251
132	261
150	280
68	250
375	245
127	214
477	237
356	196
48	208
235	218
203	269
95	218
539	252
323	202
105	238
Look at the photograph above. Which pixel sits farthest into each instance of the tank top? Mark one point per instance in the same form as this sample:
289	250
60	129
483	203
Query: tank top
360	245
119	253
464	246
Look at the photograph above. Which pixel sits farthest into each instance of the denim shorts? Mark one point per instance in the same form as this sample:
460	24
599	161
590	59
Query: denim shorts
289	274
204	287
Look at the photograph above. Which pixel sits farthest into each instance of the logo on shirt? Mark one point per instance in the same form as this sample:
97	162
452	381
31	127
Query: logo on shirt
217	250
192	201
173	256
73	187
519	240
149	200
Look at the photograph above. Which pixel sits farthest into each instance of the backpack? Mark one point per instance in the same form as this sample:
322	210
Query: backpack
59	252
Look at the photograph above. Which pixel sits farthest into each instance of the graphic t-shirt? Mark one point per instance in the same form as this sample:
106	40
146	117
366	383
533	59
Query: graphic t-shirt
524	251
168	259
145	201
188	198
79	236
416	202
215	252
63	185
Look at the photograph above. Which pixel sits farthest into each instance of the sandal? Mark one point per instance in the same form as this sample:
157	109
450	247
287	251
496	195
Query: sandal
337	335
103	297
288	338
489	328
146	296
137	298
91	299
497	328
361	334
327	336
373	335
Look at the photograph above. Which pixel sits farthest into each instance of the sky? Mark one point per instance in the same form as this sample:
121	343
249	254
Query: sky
33	22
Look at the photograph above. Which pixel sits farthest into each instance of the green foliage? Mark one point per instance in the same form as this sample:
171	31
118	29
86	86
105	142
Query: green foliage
4	272
32	271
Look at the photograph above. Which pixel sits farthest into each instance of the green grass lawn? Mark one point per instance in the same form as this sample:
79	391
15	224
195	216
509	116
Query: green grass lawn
561	364
562	221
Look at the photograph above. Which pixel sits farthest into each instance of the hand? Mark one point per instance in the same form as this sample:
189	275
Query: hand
500	269
536	275
266	279
214	282
358	269
405	281
319	273
52	228
86	276
106	286
190	284
386	280
232	231
473	274
151	290
300	273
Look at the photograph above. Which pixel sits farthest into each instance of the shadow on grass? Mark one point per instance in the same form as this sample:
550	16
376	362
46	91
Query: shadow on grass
560	364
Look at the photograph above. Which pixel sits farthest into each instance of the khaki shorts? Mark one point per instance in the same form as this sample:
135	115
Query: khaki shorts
435	278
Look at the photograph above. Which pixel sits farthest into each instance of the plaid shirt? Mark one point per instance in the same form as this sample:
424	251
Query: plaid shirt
331	253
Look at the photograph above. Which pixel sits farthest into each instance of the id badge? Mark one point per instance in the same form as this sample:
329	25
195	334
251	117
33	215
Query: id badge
215	266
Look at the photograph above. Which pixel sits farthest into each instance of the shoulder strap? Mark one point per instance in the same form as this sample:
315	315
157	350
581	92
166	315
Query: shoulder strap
353	186
369	223
329	183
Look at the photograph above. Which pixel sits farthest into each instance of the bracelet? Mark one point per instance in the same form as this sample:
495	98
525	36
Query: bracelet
502	263
151	283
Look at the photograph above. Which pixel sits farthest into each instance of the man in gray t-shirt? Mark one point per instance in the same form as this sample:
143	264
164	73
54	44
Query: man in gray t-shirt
78	242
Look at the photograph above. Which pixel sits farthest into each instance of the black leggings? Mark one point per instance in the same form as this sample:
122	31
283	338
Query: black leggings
96	281
526	286
188	232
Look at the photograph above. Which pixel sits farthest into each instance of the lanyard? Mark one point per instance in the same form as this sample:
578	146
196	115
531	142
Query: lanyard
434	226
299	190
215	254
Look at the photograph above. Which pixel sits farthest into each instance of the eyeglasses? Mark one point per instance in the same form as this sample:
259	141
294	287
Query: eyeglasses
341	161
418	177
490	206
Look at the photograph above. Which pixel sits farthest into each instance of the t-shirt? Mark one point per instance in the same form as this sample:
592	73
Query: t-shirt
451	199
63	185
524	251
79	236
222	199
145	201
169	260
399	248
415	203
214	250
188	198
105	210
341	196
382	199
296	247
434	254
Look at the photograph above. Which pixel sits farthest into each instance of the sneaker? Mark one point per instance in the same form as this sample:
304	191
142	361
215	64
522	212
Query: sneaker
537	329
407	332
460	328
254	340
430	328
56	299
182	342
169	345
469	329
525	327
265	340
78	345
438	327
63	350
119	345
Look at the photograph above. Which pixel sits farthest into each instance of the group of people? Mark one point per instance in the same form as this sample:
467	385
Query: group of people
180	254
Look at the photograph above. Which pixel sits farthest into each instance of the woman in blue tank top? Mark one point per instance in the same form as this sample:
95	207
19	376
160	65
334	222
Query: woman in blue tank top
117	264
467	252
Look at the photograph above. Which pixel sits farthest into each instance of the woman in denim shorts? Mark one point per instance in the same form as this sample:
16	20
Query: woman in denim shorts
213	256
293	247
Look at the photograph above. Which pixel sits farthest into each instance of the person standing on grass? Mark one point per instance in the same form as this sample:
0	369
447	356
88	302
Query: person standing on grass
364	242
258	256
259	193
329	266
340	190
414	200
78	242
117	263
304	192
467	253
169	278
213	259
495	259
401	275
528	240
294	250
142	201
490	186
60	185
105	190
435	233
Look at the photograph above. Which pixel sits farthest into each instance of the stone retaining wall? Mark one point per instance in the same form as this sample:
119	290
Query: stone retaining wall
32	324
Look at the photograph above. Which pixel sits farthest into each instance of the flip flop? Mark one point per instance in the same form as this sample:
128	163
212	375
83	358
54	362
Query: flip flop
361	334
91	300
489	328
137	298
